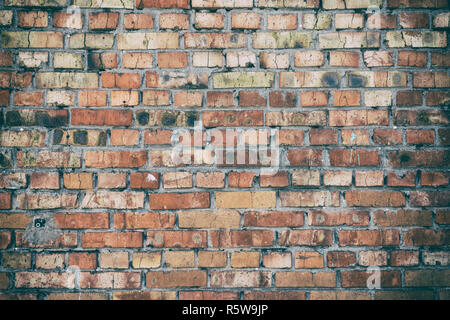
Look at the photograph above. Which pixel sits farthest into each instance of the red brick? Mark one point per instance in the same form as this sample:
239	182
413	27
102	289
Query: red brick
138	21
44	180
402	217
157	137
430	198
305	157
387	136
275	179
282	99
169	201
440	59
232	118
344	59
75	220
245	20
6	58
305	279
381	21
339	259
409	98
111	240
220	99
306	238
208	295
417	3
5	239
172	60
121	80
314	98
4	98
102	117
92	98
32	19
240	179
115	159
356	157
110	280
420	136
251	99
413	20
429	178
282	22
419	158
365	198
347	98
5	200
274	295
412	59
360	279
176	279
28	98
44	280
369	178
438	79
436	98
332	218
426	237
174	21
369	238
322	136
83	260
147	220
103	20
274	219
402	179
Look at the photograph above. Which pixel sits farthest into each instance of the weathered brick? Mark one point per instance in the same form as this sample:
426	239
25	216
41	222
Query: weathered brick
369	238
179	201
145	41
241	238
306	238
209	20
111	240
239	279
282	40
336	218
305	279
176	279
214	40
344	39
112	199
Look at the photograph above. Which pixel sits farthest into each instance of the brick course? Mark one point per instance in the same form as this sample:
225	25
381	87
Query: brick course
91	106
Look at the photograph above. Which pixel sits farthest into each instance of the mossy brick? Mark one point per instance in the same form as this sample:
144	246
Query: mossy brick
32	39
282	40
310	79
416	39
73	80
243	80
112	4
35	3
68	60
91	41
344	39
149	40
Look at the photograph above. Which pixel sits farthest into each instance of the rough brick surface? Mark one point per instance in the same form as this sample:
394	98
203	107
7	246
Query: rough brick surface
224	149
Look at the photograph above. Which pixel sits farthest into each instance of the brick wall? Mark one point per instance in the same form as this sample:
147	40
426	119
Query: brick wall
339	109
